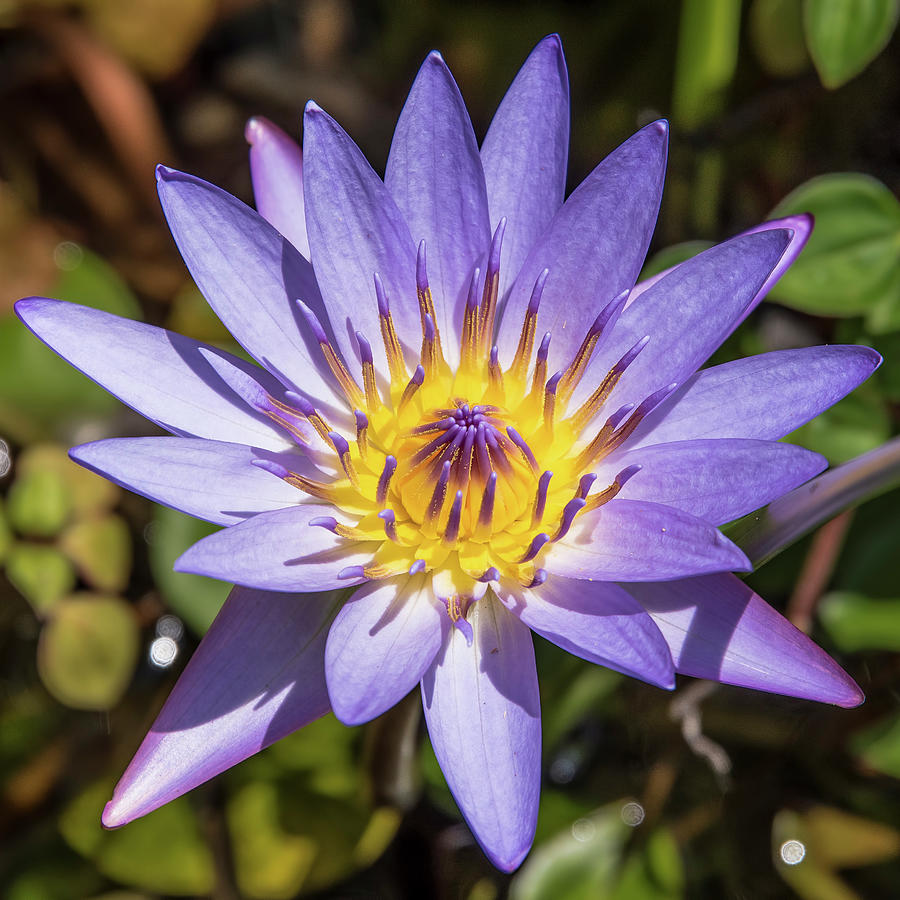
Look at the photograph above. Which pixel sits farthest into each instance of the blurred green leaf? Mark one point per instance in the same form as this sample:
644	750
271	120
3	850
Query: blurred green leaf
41	574
844	36
89	492
580	863
100	547
858	423
6	535
195	598
707	56
654	872
852	259
879	746
39	503
88	650
38	390
672	256
884	316
855	622
160	852
776	32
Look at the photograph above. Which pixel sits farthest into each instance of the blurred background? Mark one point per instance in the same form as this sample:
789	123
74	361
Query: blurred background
776	106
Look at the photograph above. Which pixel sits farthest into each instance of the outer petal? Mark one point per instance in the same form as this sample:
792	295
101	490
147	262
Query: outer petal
208	479
633	540
251	276
355	231
763	397
687	315
183	394
716	480
594	247
380	646
597	621
718	628
276	167
257	676
483	713
278	551
434	174
525	154
801	228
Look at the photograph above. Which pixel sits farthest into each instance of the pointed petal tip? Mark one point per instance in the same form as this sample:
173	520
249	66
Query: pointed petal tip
166	173
852	696
112	817
256	128
661	126
508	862
313	109
435	56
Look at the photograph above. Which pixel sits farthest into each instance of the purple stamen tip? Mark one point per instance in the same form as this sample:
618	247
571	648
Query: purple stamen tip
362	420
553	382
452	531
627	473
631	355
490	574
534	547
340	443
520	442
274	468
587	481
537	292
365	348
472	296
417	566
351	572
619	414
300	402
655	399
496	245
313	322
421	268
418	376
381	299
327	522
544	349
495	356
609	312
570	510
429	328
540	576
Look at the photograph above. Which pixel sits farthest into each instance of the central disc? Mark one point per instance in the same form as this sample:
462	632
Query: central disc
469	449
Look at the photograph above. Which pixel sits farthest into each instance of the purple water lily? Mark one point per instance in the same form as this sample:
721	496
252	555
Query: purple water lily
467	422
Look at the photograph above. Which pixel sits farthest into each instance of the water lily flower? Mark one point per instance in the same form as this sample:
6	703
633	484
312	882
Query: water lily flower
467	423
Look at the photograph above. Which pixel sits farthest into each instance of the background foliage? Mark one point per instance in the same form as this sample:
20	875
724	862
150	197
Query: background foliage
777	106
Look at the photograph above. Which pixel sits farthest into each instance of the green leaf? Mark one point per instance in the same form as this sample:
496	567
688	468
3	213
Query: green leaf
195	598
88	650
655	872
707	56
858	423
855	622
852	260
162	852
844	36
776	33
39	503
879	746
100	547
580	863
41	574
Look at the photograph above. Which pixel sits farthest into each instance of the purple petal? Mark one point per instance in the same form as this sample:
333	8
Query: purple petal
763	397
718	628
597	621
800	225
208	479
380	645
276	167
594	247
633	540
687	315
257	676
525	154
251	276
356	231
484	719
716	480
162	375
279	551
434	174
